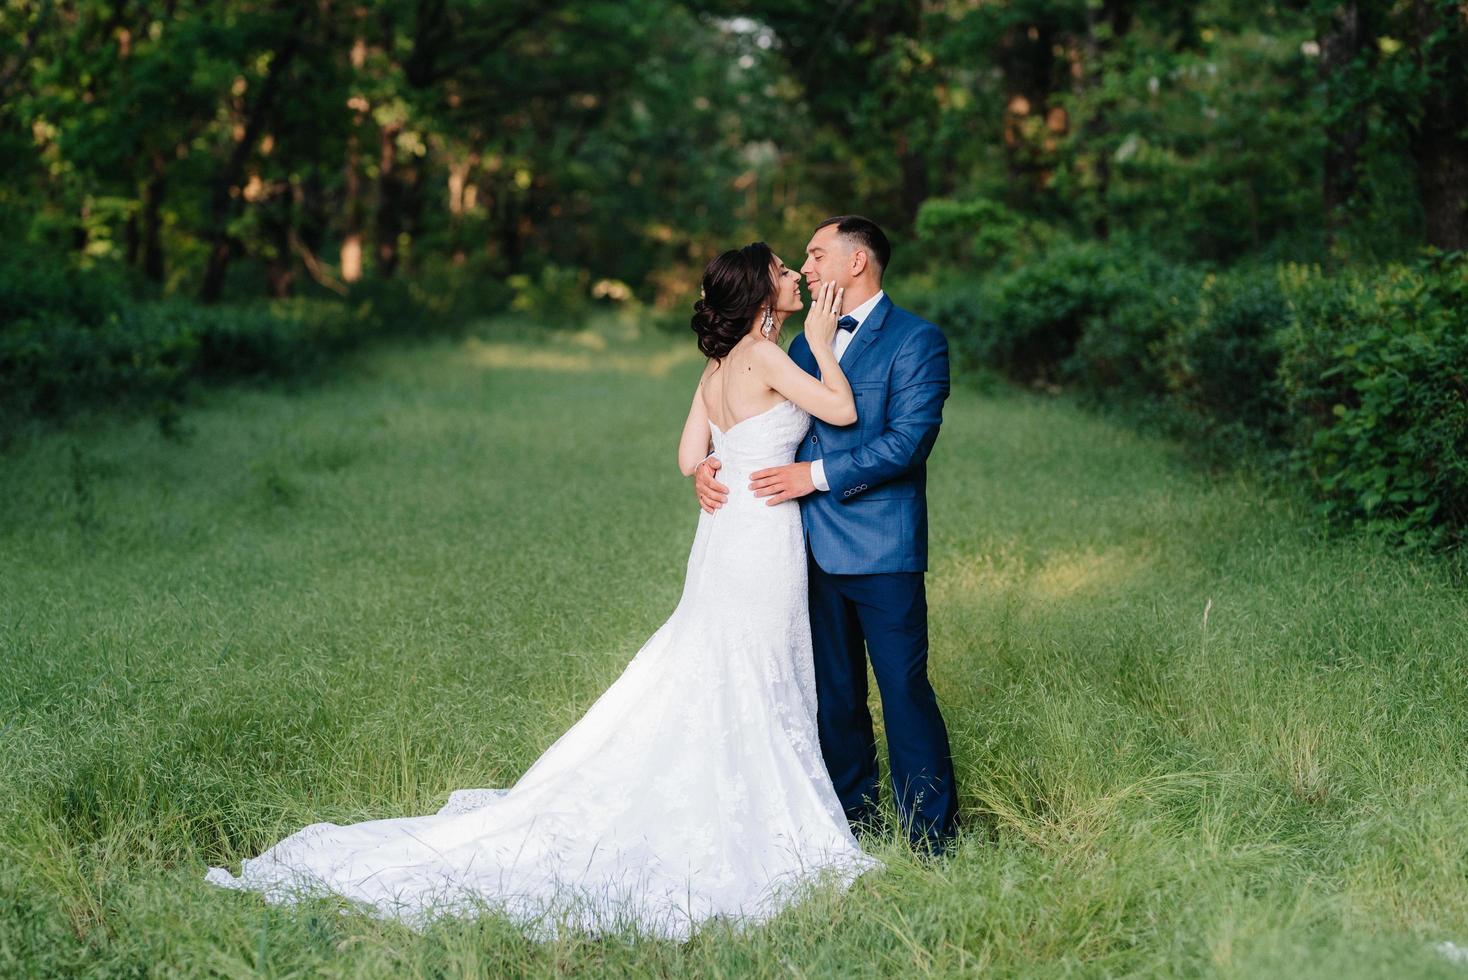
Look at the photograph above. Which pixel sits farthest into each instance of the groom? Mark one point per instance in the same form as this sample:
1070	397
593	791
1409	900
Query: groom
864	507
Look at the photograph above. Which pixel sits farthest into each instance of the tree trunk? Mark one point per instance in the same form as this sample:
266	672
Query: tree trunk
225	190
1027	62
153	223
1440	141
915	189
351	250
310	201
411	210
389	201
1442	174
1342	42
458	179
512	226
1105	25
130	241
280	270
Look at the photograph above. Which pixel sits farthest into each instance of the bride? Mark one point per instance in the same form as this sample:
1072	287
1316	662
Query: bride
694	788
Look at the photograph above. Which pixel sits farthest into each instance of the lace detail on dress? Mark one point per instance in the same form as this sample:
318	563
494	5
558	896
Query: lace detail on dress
468	800
693	789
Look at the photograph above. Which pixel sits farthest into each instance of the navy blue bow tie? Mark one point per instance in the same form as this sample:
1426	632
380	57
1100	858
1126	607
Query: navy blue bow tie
846	323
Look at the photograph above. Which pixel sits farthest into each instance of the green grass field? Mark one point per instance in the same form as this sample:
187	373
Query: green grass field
1193	737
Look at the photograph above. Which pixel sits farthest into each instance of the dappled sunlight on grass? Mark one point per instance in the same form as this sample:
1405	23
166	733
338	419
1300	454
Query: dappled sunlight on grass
1087	571
958	577
588	351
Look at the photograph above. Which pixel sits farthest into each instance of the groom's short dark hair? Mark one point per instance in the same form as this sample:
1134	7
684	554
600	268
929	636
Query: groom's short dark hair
867	233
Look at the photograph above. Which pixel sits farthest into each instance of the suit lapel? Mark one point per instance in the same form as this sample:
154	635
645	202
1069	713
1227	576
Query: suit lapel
866	335
802	356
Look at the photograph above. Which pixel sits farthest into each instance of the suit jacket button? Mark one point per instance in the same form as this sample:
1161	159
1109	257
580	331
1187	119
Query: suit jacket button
815	438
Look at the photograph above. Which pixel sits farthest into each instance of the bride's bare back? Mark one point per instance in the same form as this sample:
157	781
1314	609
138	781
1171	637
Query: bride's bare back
735	389
756	374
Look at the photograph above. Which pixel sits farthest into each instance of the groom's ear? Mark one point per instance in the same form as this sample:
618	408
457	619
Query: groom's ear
859	262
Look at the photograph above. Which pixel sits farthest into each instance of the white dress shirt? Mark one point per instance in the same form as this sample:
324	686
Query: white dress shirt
842	341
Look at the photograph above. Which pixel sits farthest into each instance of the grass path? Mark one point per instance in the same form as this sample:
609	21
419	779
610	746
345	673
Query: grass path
1192	738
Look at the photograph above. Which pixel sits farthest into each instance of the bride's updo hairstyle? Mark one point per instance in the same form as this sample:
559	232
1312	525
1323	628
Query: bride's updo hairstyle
735	285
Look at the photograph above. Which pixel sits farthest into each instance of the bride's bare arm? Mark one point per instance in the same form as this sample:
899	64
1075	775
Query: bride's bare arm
694	445
830	398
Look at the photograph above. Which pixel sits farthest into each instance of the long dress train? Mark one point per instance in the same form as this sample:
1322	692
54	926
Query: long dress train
692	790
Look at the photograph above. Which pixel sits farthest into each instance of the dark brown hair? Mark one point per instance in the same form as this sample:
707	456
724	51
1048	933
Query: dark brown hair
868	235
735	285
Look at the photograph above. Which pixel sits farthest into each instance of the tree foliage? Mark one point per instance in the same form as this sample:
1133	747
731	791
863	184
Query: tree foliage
238	147
1090	192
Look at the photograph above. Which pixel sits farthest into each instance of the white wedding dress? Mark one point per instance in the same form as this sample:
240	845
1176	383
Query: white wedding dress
692	790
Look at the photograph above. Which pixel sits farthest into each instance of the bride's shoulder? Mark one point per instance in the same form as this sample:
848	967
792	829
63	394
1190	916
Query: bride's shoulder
768	351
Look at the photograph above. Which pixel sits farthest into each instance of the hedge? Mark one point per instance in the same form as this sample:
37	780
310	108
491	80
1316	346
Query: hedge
72	338
1357	378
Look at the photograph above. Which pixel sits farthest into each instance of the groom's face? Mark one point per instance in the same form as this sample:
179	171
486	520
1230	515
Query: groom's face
827	259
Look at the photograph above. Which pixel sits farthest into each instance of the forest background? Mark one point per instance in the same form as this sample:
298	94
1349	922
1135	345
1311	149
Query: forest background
1242	223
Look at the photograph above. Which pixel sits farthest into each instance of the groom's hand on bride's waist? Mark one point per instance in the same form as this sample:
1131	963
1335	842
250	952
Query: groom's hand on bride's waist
711	493
782	483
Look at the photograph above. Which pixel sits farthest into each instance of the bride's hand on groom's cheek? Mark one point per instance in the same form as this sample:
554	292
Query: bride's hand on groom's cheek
711	494
782	483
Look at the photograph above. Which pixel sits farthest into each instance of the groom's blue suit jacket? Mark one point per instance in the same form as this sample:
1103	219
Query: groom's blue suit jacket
875	516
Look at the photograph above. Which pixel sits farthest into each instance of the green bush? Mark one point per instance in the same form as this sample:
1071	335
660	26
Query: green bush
1033	318
1222	363
1360	378
52	365
554	294
1081	314
1375	372
952	302
440	296
1122	353
278	338
978	233
72	338
38	284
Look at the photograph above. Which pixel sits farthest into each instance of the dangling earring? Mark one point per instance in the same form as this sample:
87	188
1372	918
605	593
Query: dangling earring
769	323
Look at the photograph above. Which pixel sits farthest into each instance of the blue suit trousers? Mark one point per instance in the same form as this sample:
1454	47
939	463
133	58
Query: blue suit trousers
885	616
